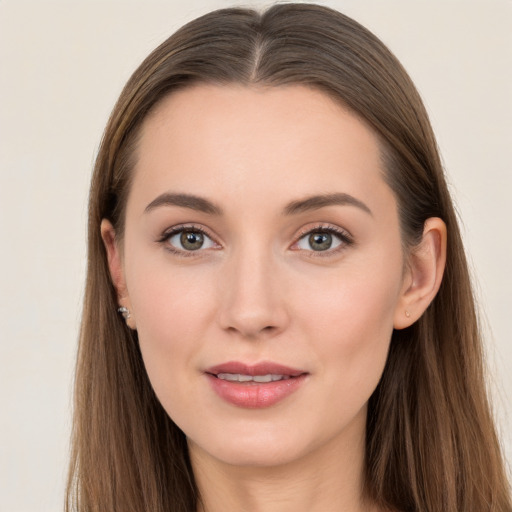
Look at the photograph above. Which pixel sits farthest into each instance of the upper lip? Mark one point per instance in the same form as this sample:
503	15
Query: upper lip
263	368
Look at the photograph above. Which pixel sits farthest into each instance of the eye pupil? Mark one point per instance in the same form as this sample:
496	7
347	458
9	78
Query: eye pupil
192	240
320	241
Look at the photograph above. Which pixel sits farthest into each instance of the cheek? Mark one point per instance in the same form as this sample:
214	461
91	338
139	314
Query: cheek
171	308
350	315
169	301
350	327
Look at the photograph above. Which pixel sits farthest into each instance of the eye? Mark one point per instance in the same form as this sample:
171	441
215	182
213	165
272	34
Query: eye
187	239
323	239
318	241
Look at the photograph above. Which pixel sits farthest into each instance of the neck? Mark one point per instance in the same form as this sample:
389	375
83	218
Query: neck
327	478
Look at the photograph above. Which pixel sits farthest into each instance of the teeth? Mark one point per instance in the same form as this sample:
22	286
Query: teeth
236	377
263	378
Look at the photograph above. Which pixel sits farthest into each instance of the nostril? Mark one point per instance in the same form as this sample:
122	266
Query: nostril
253	331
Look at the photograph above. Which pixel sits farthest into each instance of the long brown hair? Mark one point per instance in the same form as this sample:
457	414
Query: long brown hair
431	442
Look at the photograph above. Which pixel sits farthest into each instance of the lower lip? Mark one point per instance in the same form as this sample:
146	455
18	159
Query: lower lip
255	395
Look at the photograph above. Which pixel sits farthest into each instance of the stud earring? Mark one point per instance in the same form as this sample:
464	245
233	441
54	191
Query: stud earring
124	311
407	314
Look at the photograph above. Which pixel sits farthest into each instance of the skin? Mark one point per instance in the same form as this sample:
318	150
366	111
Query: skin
257	291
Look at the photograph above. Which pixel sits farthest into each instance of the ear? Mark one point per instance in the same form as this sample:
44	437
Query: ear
115	265
425	269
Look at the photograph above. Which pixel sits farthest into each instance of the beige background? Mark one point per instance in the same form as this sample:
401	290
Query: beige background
62	66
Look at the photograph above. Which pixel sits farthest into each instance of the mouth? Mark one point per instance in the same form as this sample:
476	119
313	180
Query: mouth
254	386
237	377
235	371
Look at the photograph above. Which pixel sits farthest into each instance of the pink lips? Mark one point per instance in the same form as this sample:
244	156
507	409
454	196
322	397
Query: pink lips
251	394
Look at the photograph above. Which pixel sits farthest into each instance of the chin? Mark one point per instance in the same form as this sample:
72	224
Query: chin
251	452
268	444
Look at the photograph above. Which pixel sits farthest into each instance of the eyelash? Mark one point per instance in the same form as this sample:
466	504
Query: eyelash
343	236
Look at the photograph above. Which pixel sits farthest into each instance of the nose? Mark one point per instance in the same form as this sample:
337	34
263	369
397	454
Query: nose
253	297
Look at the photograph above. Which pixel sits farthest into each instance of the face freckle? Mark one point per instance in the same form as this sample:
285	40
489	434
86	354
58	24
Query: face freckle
235	271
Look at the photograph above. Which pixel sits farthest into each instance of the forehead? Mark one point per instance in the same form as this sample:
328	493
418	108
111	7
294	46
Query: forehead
258	142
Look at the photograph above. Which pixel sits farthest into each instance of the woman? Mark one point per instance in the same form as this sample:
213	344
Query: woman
296	327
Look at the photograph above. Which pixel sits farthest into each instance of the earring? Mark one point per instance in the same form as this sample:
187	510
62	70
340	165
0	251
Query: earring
407	314
124	311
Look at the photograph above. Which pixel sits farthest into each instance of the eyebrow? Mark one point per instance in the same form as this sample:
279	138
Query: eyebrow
201	204
320	201
185	201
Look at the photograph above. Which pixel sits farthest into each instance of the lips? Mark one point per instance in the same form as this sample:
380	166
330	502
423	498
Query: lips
254	386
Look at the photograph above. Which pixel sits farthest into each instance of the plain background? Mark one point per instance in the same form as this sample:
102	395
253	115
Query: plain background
62	66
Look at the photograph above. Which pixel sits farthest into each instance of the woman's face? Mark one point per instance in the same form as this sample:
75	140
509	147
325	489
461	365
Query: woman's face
263	267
